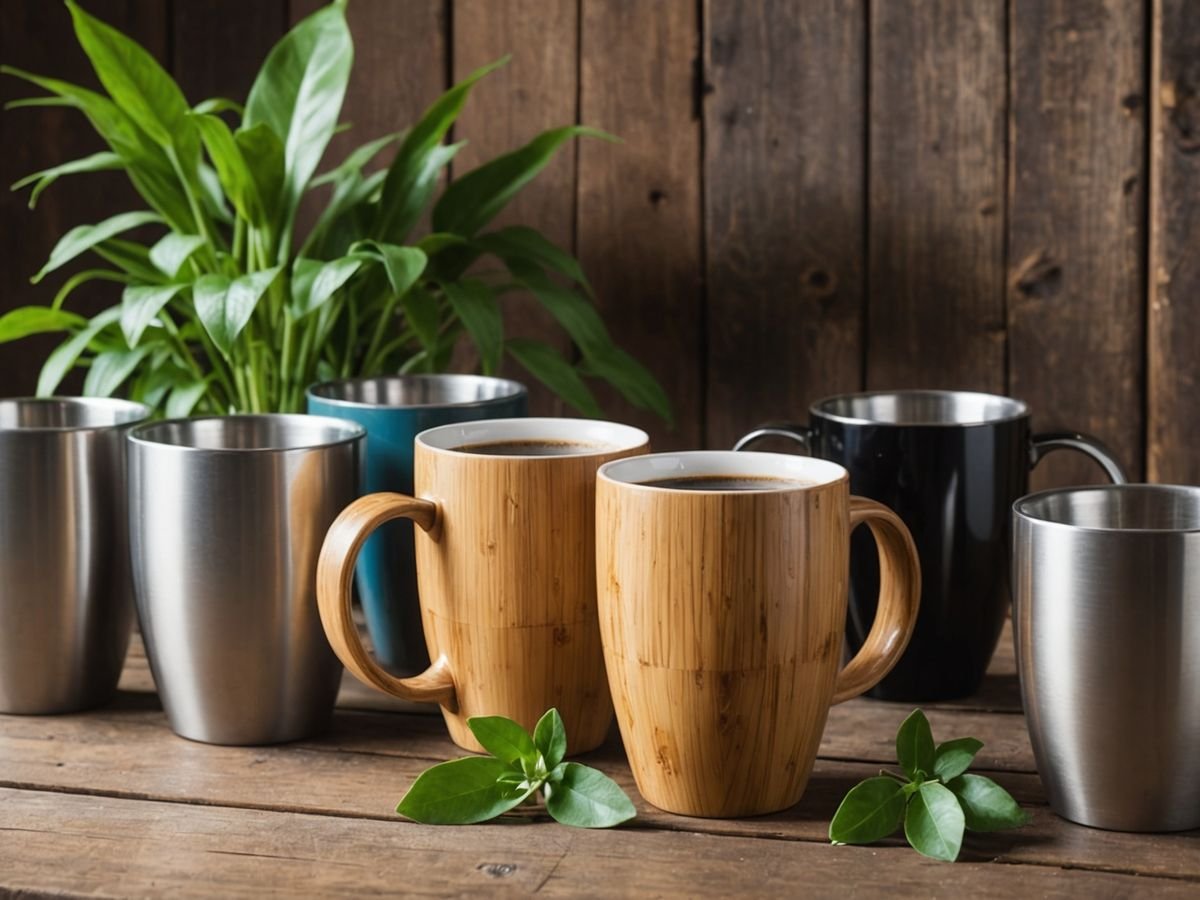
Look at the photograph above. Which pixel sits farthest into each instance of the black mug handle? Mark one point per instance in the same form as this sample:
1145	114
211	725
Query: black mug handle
1084	443
801	434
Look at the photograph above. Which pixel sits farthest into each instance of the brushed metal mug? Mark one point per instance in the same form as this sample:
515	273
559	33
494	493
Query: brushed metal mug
65	598
227	515
951	464
394	410
1107	629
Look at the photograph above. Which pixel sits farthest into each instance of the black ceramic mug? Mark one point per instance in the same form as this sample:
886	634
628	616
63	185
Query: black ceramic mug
952	464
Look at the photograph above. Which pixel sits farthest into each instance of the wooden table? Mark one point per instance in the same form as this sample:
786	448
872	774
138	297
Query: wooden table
112	803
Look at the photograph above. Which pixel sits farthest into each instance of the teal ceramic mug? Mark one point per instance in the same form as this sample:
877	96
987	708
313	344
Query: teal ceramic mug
393	410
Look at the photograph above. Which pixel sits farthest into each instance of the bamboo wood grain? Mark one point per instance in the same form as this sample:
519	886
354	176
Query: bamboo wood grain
722	617
506	574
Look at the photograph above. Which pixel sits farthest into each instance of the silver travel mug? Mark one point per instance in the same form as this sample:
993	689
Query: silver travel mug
65	598
1107	619
227	516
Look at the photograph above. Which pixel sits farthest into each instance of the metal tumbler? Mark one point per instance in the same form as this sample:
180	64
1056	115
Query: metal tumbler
227	518
65	598
1107	625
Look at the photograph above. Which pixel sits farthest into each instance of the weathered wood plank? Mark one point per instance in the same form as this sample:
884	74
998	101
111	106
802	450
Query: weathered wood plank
783	173
1076	234
1174	265
536	91
218	46
936	196
37	37
638	212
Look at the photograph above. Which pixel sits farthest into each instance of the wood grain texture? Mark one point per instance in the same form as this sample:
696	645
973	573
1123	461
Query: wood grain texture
1174	266
218	46
506	569
1076	233
37	36
722	616
783	173
936	196
537	90
639	209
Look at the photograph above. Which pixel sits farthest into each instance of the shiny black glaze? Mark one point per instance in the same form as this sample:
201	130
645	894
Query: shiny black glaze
954	486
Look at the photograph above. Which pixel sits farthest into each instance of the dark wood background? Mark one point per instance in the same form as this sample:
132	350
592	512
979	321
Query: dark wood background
812	196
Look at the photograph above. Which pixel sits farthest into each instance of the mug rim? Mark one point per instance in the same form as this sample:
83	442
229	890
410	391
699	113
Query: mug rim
817	410
514	390
140	411
349	433
770	464
1021	507
452	437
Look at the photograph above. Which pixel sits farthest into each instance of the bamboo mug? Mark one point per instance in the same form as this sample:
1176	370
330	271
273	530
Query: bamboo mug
505	550
722	581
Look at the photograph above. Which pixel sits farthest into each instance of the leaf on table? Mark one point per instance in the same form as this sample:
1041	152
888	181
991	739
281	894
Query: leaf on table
587	798
934	822
503	738
550	738
955	757
871	811
986	805
914	746
461	792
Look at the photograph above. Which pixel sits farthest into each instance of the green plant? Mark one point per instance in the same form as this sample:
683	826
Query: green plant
936	799
478	788
230	310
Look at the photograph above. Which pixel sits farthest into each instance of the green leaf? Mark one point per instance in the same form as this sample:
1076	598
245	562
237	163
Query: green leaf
141	304
413	174
934	822
82	278
914	746
421	313
138	84
82	238
403	265
474	303
27	320
263	155
215	105
503	738
550	738
355	160
173	250
520	242
587	798
299	92
954	757
234	174
871	811
547	365
110	369
986	805
132	257
97	162
67	354
183	399
474	199
314	282
225	306
461	792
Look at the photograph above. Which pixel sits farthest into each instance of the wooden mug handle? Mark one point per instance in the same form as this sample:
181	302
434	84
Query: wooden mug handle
335	575
899	600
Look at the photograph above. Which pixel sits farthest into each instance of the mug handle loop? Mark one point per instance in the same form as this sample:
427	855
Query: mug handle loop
801	434
1084	443
335	575
899	600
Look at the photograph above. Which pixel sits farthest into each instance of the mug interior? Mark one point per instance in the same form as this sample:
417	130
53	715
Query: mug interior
253	432
1126	507
417	390
68	413
920	408
806	470
588	435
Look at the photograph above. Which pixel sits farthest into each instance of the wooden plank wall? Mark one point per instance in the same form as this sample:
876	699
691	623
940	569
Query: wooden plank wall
810	198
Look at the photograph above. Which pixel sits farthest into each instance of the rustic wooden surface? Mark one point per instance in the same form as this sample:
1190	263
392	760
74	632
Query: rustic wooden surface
110	803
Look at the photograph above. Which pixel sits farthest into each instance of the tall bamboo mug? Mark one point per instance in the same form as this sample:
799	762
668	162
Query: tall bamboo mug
506	572
722	581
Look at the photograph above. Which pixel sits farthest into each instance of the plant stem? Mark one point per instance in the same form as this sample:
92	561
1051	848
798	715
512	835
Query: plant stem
381	325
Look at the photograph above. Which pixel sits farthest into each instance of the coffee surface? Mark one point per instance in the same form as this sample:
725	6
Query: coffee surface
529	448
725	483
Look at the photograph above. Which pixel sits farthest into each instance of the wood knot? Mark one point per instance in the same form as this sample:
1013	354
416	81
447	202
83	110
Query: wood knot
562	635
1038	276
497	870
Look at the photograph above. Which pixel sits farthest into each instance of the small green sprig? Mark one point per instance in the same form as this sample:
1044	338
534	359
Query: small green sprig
937	801
479	788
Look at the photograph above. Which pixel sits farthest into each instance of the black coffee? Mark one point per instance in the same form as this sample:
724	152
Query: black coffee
725	483
529	448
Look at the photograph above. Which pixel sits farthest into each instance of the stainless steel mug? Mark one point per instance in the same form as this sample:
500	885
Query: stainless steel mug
1107	624
951	464
227	515
394	410
65	598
